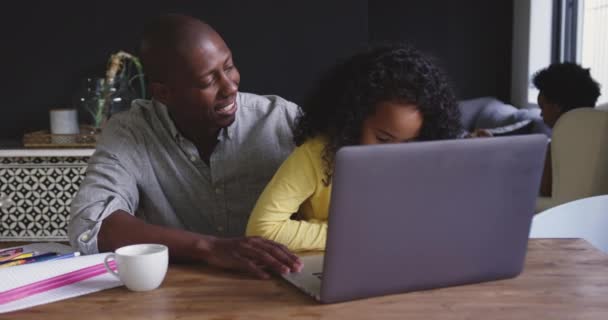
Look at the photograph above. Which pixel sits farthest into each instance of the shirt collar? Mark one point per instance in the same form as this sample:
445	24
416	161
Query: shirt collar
164	116
229	131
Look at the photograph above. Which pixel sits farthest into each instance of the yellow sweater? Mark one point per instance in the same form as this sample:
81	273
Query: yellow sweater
297	186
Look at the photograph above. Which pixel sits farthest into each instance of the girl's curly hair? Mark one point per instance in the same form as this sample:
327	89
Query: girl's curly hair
352	89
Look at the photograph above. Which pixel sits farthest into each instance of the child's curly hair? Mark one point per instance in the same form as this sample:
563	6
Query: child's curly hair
568	85
351	90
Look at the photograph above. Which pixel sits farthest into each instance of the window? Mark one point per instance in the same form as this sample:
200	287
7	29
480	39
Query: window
532	43
583	38
592	49
553	31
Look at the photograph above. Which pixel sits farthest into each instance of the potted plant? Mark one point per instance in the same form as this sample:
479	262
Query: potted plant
113	93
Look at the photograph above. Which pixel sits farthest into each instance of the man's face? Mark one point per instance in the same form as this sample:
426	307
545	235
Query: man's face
201	89
549	111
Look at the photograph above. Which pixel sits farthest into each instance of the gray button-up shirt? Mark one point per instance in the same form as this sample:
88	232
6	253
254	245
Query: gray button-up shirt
142	165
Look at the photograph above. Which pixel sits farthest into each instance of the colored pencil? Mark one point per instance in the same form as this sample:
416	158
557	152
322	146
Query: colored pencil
10	251
62	256
35	258
10	257
12	263
17	256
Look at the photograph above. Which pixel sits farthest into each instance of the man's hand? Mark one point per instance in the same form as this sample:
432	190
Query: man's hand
479	133
253	255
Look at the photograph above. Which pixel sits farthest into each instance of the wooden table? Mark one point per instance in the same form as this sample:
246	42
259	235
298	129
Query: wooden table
563	279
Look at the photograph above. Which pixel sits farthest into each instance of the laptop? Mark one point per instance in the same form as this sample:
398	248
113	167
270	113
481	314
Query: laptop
424	215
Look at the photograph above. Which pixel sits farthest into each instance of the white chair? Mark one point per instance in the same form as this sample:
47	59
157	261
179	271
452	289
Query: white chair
579	157
585	218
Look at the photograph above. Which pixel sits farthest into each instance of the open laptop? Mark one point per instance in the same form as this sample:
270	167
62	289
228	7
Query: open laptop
423	215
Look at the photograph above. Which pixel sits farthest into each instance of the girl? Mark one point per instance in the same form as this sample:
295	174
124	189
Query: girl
388	94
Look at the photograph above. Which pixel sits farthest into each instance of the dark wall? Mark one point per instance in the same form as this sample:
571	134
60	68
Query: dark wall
470	38
279	46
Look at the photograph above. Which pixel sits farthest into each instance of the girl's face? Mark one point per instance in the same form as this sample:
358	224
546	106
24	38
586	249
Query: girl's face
392	122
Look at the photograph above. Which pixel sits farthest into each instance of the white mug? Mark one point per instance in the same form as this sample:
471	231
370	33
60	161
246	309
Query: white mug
64	126
64	121
140	267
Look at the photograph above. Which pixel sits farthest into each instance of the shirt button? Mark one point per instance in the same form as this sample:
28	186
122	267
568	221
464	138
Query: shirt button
193	158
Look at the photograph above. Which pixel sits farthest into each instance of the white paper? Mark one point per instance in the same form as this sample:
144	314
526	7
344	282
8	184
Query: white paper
17	276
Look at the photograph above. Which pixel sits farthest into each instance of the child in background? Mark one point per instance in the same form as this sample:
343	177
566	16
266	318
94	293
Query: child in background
387	94
562	87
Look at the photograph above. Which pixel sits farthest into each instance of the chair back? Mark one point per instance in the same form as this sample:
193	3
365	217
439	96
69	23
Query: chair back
579	155
585	218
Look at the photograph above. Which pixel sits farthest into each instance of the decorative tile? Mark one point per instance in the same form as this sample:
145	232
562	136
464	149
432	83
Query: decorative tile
42	188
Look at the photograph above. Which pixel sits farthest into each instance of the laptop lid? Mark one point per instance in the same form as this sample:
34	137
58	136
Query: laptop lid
422	215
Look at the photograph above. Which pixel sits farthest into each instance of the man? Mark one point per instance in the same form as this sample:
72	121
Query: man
186	168
562	87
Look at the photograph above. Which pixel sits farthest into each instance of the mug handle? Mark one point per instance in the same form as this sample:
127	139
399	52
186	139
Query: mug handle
107	266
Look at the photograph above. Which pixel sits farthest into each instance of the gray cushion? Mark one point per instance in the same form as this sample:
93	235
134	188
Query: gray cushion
496	114
469	110
489	112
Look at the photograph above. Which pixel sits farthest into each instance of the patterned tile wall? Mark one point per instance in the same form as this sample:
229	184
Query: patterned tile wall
42	188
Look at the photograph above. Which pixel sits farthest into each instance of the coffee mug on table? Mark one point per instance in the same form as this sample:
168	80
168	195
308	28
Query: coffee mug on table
140	267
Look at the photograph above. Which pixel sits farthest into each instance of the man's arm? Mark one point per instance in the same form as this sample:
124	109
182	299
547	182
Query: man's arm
102	218
248	254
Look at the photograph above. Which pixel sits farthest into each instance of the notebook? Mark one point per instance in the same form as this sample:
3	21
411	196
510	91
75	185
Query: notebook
23	275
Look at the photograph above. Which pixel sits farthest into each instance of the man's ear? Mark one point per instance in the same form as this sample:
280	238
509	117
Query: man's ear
160	92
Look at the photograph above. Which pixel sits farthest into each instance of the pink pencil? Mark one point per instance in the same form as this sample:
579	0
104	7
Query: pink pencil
54	282
10	257
10	251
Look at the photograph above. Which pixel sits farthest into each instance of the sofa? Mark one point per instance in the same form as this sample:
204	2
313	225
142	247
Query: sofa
490	113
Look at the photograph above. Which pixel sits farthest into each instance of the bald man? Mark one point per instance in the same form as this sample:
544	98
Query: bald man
185	168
